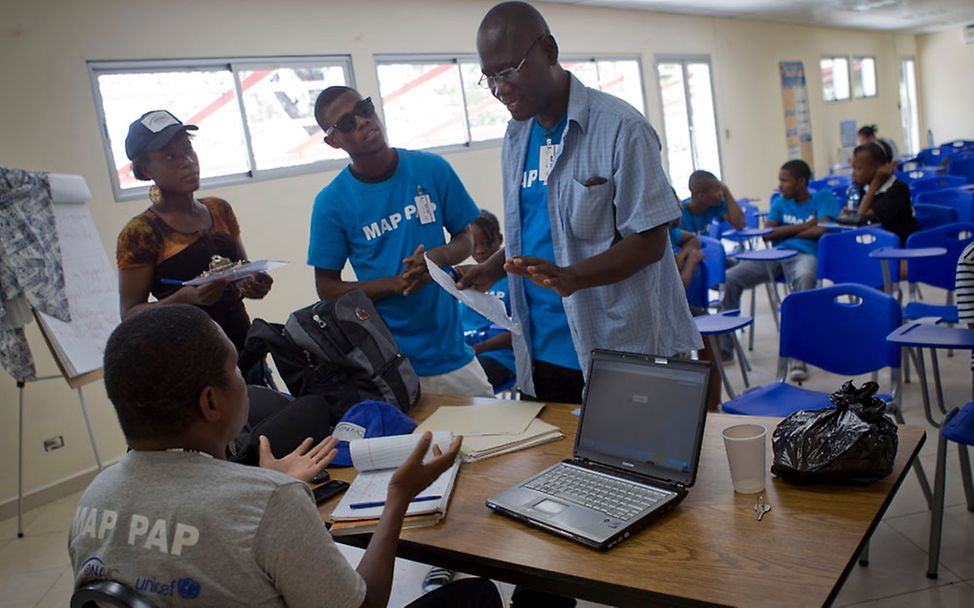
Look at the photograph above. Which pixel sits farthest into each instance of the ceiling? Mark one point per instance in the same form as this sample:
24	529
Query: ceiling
913	16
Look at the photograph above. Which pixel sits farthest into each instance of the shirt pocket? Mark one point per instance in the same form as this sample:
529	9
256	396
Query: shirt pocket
591	216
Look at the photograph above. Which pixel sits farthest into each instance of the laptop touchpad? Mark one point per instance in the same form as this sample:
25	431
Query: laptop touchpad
550	507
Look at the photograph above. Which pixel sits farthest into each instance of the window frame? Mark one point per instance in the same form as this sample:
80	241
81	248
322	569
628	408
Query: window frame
661	132
234	65
455	58
852	87
597	58
821	78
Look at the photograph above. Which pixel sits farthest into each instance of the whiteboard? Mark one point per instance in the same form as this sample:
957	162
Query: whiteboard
90	282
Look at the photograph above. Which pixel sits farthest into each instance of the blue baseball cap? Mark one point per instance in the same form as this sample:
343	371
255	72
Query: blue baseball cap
368	419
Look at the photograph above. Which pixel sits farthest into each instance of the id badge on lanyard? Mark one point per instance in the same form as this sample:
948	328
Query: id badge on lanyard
424	207
546	160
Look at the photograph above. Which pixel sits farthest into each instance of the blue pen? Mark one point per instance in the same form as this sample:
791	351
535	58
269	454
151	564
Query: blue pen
171	282
450	270
381	503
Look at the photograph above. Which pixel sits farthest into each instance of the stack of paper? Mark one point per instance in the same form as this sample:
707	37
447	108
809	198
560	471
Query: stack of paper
377	460
491	430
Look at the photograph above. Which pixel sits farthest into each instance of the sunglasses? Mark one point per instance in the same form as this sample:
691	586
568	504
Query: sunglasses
346	123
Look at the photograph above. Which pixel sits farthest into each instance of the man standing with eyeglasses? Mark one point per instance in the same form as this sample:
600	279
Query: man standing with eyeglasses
586	208
386	210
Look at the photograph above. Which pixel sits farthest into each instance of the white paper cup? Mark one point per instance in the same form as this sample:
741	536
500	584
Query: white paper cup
745	444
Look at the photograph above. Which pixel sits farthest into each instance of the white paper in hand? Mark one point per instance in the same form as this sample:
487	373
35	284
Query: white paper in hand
486	305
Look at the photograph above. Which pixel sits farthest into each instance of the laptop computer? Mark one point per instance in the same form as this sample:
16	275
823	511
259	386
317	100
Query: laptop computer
636	452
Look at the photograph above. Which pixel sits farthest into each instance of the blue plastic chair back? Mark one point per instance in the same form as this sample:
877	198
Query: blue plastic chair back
941	270
715	258
931	216
718	227
698	294
843	257
931	157
964	167
939	182
961	201
908	177
751	211
823	329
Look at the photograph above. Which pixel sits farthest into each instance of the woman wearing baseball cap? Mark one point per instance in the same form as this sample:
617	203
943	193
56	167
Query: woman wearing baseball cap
175	239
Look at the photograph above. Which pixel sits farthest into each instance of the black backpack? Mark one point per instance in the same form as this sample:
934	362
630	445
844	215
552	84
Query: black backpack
340	349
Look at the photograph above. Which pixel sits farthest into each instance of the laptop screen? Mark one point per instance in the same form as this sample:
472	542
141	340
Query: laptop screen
644	414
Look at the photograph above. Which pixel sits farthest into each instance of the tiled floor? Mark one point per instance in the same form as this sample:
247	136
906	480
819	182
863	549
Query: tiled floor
34	571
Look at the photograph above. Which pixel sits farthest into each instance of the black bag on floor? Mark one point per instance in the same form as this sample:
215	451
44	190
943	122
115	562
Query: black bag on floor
854	442
340	349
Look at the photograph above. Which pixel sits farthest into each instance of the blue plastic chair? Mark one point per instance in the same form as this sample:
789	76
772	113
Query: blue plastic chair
715	257
939	182
958	426
843	257
911	176
840	337
930	216
932	157
961	200
939	271
698	293
963	167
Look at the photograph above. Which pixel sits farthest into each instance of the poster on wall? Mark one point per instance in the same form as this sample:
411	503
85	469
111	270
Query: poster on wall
798	118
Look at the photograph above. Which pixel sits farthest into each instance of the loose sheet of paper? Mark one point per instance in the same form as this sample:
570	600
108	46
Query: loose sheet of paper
474	420
487	305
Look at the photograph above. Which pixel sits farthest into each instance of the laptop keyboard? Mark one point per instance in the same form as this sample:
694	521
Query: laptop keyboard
610	495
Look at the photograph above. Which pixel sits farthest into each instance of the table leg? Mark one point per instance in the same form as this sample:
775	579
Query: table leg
742	359
887	280
715	349
924	388
935	364
773	297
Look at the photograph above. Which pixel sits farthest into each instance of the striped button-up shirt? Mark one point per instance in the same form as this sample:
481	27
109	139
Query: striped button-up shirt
605	138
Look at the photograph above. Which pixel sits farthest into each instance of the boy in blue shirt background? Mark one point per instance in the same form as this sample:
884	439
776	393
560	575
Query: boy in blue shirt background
794	218
710	199
492	346
382	213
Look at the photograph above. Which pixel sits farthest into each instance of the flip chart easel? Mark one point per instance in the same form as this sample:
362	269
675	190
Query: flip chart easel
92	293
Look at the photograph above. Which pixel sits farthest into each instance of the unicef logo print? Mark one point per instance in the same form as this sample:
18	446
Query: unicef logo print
188	588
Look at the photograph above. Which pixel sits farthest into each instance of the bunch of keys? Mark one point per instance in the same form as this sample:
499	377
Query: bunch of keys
760	508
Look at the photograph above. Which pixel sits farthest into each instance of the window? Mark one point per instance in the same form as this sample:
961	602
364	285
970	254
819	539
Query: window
434	102
689	120
863	77
909	114
835	78
619	77
256	116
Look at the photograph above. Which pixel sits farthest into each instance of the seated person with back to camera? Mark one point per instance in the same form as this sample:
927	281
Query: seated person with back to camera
175	521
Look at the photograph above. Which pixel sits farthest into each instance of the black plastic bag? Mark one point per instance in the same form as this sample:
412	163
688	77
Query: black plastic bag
854	442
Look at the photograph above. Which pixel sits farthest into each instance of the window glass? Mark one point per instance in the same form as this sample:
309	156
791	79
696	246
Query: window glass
863	77
422	104
835	78
280	109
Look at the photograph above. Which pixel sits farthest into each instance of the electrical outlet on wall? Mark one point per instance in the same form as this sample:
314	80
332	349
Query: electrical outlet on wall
54	443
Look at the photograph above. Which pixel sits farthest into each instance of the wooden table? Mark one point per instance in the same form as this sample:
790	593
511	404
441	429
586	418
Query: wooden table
710	550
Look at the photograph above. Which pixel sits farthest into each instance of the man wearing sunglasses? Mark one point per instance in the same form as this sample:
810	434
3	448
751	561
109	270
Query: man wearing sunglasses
384	212
586	208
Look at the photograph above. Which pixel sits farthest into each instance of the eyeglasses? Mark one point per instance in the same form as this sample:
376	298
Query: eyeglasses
508	74
346	122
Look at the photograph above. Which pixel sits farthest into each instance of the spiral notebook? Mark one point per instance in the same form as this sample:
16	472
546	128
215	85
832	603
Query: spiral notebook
377	460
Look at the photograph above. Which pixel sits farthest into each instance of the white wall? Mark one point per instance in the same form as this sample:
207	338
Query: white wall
946	67
48	123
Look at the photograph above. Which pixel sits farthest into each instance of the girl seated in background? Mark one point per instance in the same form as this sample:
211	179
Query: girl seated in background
883	198
492	346
176	237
